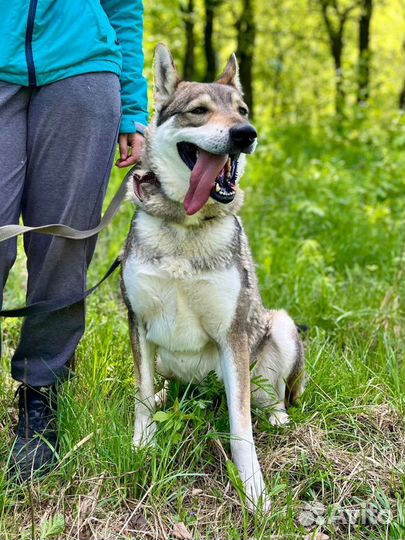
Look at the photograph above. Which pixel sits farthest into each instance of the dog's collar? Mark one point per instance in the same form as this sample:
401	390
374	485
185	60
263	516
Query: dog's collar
148	177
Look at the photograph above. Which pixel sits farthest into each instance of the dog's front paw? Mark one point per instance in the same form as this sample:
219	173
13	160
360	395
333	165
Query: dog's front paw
279	418
145	429
257	499
265	504
258	502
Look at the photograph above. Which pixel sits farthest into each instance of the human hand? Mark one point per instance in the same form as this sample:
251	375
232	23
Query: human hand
131	146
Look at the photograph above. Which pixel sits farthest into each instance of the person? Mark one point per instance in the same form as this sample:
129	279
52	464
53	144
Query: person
71	86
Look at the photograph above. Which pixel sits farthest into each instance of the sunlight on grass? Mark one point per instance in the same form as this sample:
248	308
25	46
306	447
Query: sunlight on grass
324	214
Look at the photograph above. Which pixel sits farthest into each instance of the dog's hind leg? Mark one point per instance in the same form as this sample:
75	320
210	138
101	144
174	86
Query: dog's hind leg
235	370
161	395
144	357
279	368
268	390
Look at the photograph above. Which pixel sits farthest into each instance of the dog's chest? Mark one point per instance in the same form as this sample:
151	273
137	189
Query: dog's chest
182	309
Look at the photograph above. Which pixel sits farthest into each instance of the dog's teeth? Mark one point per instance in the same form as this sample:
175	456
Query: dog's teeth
217	188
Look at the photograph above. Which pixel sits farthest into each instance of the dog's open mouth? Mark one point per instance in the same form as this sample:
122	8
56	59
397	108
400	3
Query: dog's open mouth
211	175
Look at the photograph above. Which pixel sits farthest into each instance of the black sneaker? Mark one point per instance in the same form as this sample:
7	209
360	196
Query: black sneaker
35	444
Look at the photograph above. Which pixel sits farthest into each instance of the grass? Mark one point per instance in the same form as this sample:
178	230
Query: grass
325	217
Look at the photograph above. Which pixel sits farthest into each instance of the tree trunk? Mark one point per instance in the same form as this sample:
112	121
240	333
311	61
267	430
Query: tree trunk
336	44
402	98
364	51
340	98
210	55
246	28
277	82
189	56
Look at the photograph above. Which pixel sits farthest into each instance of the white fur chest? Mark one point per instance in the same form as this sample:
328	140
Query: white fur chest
186	311
182	309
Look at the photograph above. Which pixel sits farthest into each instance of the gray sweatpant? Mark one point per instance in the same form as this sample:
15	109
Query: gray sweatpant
57	146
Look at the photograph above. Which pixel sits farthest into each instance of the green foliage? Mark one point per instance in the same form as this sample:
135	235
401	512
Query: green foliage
294	74
53	527
324	214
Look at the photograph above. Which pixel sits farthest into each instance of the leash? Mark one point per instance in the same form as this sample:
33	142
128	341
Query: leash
64	231
49	306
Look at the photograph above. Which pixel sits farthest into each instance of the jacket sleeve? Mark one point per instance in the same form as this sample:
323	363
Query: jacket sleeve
126	17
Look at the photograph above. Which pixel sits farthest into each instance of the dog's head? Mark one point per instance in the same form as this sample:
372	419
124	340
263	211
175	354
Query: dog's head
200	134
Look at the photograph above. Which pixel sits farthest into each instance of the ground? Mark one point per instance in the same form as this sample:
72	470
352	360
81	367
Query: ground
324	214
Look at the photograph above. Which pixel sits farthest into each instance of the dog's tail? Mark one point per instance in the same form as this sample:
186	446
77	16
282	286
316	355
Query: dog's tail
296	380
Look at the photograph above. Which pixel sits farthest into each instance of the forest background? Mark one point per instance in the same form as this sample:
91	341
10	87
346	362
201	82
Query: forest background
300	60
324	214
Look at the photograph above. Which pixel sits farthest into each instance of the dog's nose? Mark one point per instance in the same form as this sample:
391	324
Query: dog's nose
243	136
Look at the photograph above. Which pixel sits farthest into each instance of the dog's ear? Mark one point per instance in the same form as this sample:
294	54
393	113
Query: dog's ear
231	74
166	76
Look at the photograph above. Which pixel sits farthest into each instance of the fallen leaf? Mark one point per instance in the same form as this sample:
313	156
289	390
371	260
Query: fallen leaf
138	522
181	532
317	536
85	533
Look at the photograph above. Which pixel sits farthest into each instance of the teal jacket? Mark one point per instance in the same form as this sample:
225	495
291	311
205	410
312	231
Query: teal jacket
43	41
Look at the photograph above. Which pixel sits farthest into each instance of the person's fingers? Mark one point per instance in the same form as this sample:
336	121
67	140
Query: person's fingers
123	147
136	143
131	160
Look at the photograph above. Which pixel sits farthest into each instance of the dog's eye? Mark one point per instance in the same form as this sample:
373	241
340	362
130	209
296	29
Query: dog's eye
243	111
199	110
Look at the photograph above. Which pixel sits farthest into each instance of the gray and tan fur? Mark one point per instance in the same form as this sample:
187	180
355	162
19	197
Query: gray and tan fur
189	282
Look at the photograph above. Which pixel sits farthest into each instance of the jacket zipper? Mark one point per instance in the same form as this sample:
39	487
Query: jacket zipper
32	77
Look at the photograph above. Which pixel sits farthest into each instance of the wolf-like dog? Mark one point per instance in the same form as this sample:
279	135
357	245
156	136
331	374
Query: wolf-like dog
188	278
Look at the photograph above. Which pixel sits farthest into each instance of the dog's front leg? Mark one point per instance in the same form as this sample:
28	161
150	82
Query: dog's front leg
144	358
235	369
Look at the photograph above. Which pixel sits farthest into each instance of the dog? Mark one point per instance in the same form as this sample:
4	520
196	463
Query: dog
188	279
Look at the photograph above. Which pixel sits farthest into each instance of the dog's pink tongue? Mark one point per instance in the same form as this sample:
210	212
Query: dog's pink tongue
206	169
